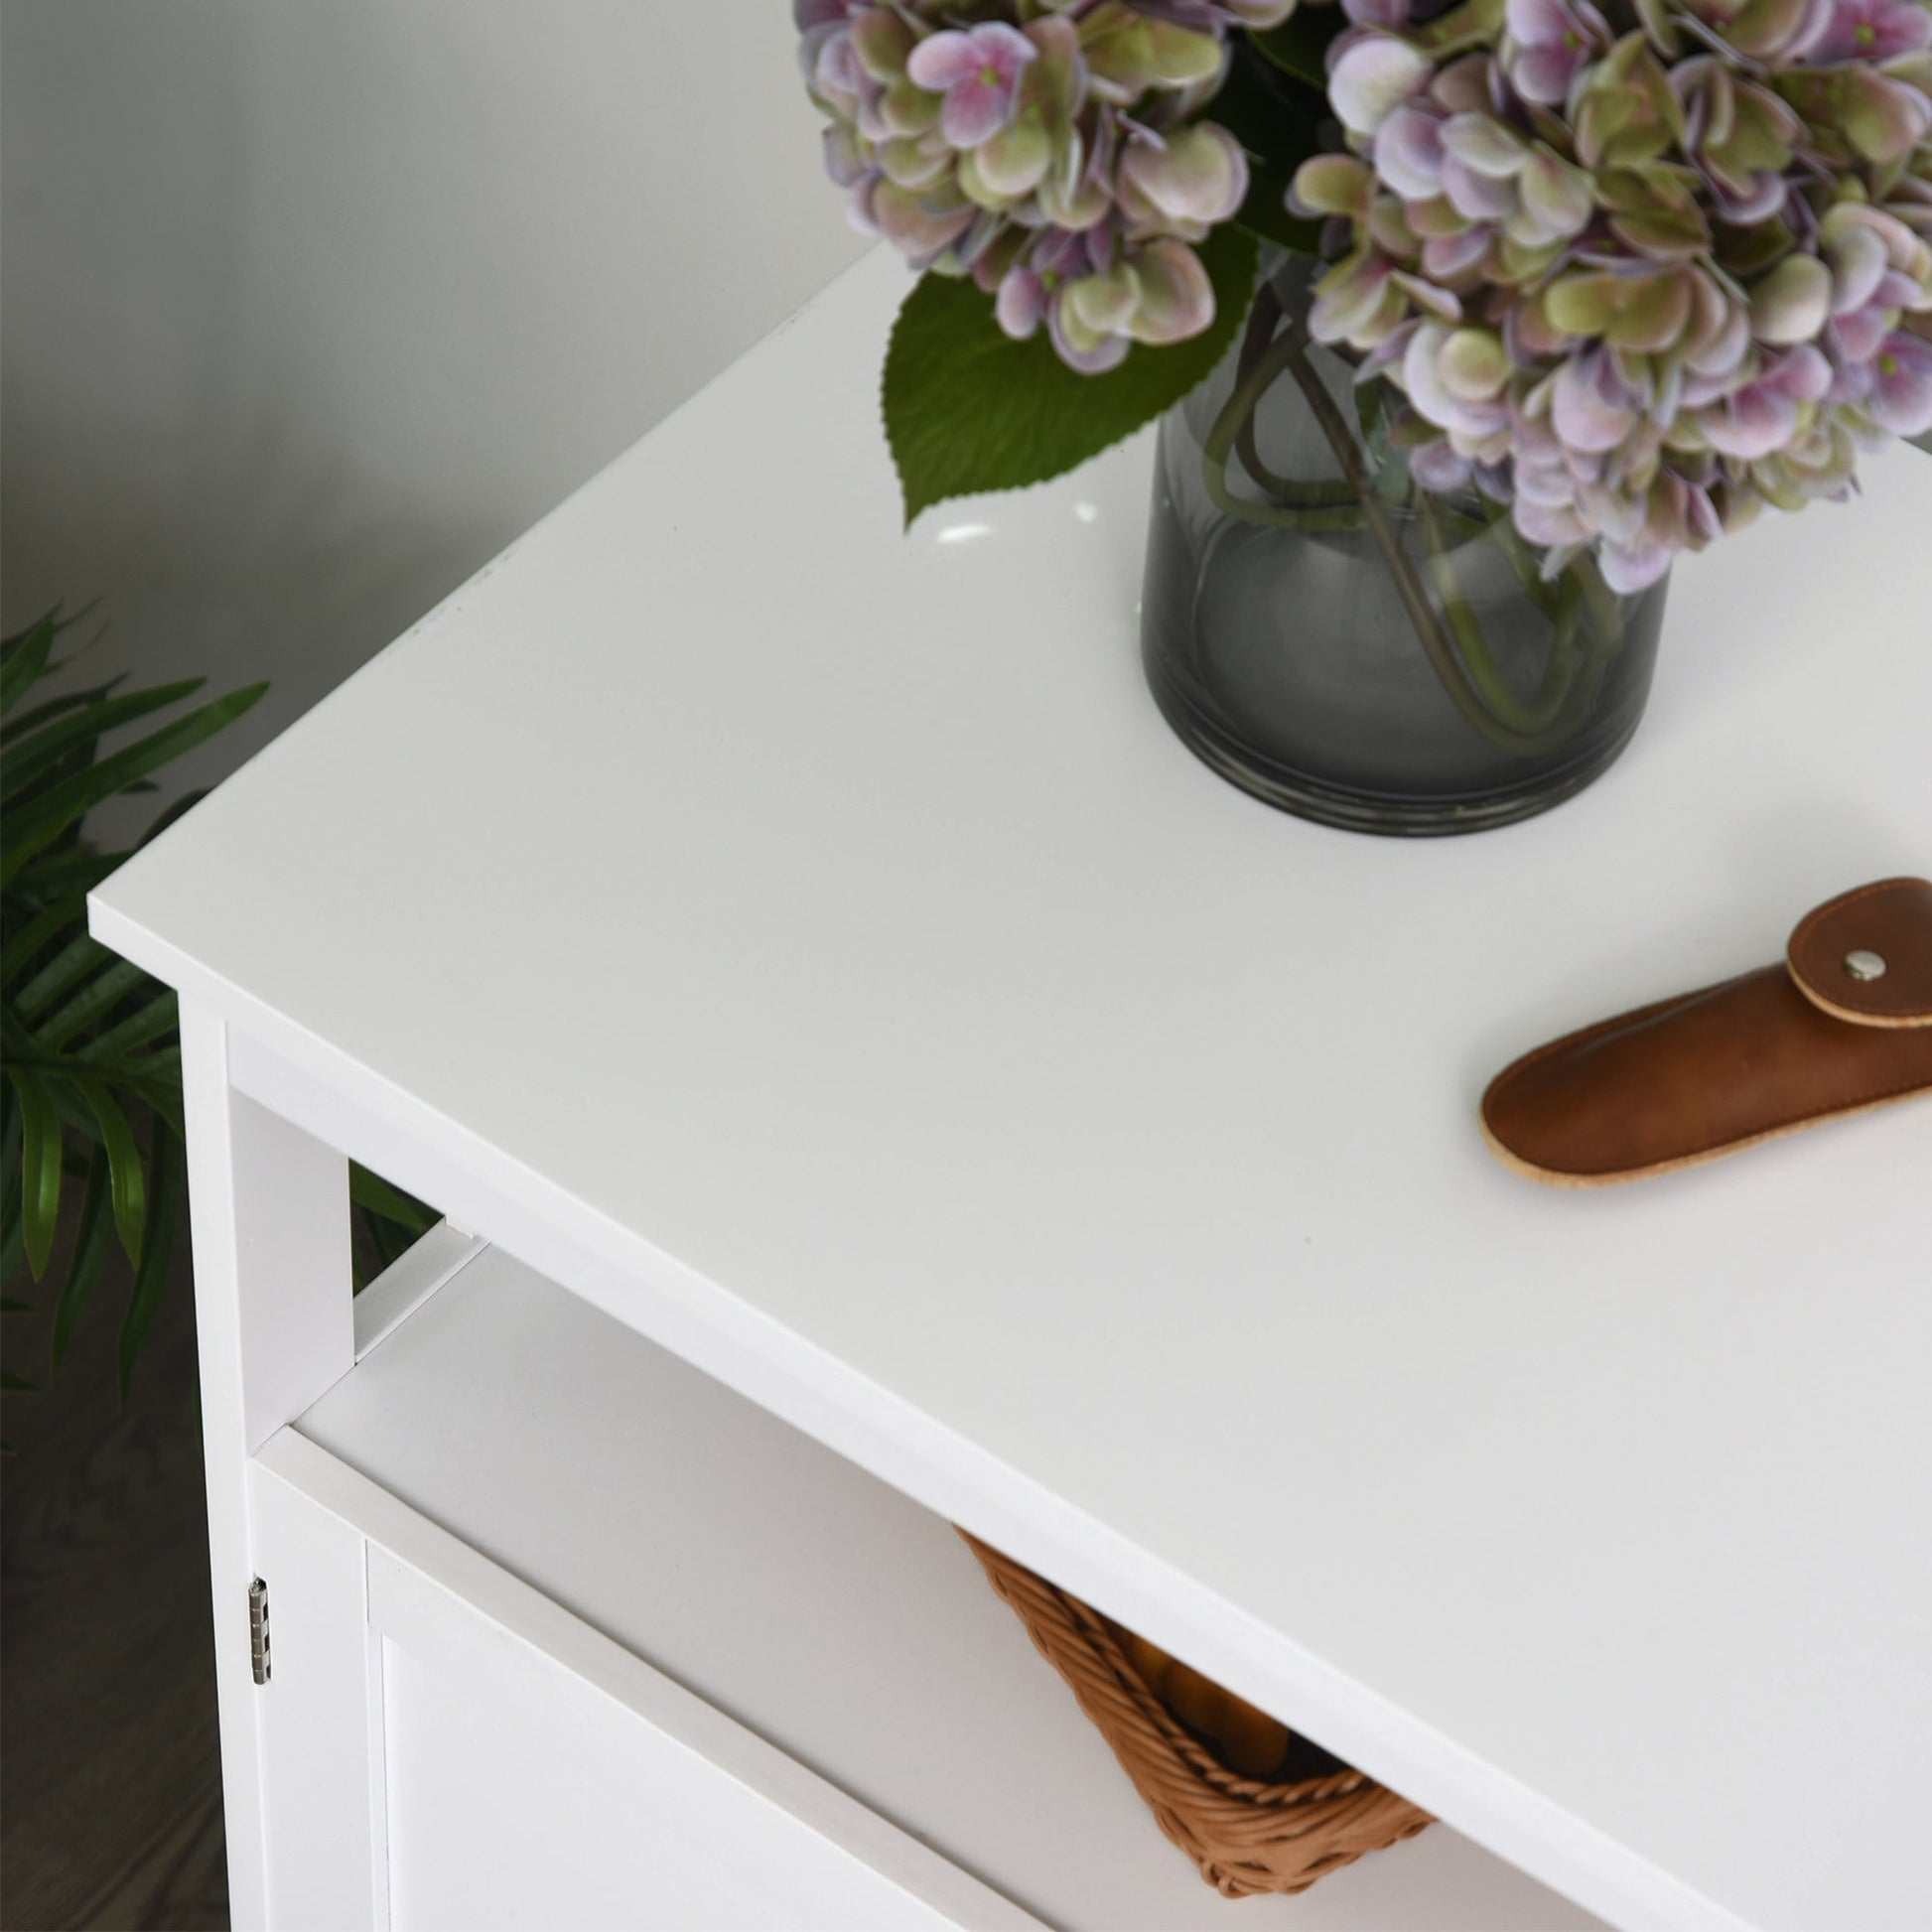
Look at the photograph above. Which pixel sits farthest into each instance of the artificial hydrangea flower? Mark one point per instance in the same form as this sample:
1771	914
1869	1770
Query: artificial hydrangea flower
1637	268
1052	151
977	72
1871	30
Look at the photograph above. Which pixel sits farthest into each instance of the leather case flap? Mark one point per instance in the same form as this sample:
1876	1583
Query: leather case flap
1867	956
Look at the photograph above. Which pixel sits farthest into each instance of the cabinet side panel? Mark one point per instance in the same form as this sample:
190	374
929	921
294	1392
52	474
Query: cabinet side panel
272	1311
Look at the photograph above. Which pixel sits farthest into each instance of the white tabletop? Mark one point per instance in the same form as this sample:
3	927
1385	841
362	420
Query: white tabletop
825	920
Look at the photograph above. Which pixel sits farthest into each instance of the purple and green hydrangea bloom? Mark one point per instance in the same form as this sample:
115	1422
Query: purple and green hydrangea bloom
1058	155
1653	274
1637	267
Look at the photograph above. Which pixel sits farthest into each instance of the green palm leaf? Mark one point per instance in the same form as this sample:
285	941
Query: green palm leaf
19	722
66	803
13	1244
150	1021
26	943
98	998
127	1181
90	1045
371	1191
151	1277
63	876
39	1167
92	1239
23	659
78	957
31	757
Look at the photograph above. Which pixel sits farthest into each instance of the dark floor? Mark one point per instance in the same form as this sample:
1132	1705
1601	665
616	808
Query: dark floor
110	1796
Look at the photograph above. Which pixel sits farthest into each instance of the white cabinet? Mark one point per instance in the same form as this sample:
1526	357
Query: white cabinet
562	1634
522	1793
900	1086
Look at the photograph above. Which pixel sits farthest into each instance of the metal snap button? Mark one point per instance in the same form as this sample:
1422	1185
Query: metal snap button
1865	964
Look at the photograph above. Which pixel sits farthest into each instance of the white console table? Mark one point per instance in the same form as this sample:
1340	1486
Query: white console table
884	1080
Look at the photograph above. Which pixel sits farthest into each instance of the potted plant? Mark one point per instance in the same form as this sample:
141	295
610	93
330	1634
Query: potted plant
90	1103
1463	320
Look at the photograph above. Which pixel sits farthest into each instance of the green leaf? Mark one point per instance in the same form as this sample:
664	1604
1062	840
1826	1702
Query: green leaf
124	1171
181	807
68	968
76	1117
1278	122
66	876
16	1384
967	408
93	1238
98	997
66	803
13	1243
159	1015
23	660
151	1277
30	941
1267	218
24	722
28	757
371	1191
1299	44
40	1166
15	639
1474	24
161	1090
14	1036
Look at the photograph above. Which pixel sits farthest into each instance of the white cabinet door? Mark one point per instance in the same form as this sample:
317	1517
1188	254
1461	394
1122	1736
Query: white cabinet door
319	1720
520	1796
445	1747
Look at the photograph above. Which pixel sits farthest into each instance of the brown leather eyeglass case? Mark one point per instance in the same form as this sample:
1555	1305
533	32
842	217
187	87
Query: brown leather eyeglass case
1842	1025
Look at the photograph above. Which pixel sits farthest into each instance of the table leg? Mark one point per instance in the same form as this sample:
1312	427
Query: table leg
273	1306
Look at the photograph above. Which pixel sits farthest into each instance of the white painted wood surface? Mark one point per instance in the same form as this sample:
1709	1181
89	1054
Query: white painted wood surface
815	950
274	1328
734	1828
408	1282
320	1712
520	1797
819	1607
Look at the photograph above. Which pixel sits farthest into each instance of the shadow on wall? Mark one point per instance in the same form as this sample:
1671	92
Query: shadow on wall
303	590
310	311
161	451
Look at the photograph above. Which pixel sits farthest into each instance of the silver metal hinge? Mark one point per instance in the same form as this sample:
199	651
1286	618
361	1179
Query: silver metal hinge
258	1630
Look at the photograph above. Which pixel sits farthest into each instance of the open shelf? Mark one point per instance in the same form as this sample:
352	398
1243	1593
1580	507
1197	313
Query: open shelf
818	1608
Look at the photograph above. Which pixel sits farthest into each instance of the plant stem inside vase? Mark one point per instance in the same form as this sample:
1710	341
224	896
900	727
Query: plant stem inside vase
1526	665
1450	635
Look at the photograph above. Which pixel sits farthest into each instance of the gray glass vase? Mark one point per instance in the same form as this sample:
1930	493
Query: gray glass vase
1349	647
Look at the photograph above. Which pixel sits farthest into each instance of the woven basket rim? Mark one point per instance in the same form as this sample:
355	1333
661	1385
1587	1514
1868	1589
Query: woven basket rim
1277	1793
1236	1829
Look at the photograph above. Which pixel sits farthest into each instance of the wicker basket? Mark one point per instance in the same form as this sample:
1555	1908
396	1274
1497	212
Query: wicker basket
1247	1836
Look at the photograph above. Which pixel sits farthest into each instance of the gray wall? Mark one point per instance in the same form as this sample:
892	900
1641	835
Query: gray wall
310	308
